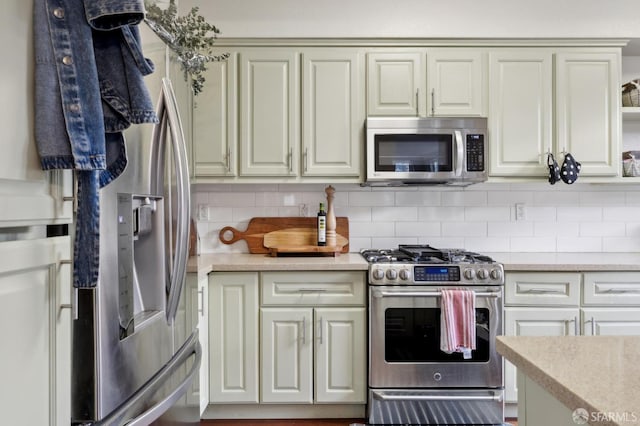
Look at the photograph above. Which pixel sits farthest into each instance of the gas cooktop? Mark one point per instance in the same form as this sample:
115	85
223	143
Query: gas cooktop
424	265
423	254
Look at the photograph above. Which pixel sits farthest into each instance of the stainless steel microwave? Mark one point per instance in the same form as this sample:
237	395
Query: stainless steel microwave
426	150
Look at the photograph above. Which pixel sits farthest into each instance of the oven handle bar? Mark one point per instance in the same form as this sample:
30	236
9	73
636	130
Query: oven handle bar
404	397
379	293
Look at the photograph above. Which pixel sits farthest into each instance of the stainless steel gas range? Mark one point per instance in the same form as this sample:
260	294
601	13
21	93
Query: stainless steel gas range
411	381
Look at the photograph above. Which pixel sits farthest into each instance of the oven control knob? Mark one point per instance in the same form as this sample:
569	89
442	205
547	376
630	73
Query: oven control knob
392	274
404	274
496	274
483	274
469	274
377	274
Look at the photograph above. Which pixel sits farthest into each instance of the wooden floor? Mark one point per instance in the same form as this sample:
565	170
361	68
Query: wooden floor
297	422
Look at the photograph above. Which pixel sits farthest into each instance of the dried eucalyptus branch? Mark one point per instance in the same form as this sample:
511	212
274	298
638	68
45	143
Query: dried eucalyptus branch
188	36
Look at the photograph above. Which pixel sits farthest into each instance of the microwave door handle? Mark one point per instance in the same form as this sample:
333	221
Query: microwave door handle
459	152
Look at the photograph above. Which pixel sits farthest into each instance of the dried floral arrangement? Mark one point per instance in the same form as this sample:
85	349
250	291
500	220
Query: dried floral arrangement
189	36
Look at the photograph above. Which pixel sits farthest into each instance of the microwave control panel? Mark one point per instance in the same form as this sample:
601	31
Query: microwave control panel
475	153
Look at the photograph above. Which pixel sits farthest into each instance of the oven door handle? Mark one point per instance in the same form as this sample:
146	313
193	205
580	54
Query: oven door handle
380	293
404	397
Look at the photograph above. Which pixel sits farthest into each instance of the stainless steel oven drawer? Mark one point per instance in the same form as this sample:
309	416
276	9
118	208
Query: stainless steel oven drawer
436	407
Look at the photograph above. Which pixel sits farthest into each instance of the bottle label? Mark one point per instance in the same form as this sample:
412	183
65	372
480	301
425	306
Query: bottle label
322	230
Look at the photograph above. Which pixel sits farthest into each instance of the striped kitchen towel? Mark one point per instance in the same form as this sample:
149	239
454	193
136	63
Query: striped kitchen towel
458	321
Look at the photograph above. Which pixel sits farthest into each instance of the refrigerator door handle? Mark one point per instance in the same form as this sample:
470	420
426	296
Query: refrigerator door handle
190	348
170	122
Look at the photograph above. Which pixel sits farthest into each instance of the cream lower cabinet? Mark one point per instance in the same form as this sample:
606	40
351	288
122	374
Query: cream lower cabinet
233	337
313	337
35	313
553	100
313	355
197	302
567	304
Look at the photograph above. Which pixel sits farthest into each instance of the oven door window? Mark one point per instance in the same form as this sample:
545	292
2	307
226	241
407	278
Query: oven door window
414	153
413	335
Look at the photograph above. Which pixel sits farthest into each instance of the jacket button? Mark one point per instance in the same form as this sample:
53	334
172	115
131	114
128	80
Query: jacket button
74	107
58	12
67	60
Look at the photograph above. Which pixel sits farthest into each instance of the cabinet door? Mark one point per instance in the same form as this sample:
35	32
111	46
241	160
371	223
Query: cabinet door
233	326
35	297
535	321
520	112
215	121
396	83
287	355
611	321
333	112
588	110
456	82
197	290
269	112
341	348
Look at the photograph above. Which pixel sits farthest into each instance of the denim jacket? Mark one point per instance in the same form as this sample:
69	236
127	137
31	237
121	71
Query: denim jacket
89	87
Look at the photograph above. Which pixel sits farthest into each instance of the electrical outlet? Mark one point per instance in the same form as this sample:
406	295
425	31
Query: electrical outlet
203	212
521	211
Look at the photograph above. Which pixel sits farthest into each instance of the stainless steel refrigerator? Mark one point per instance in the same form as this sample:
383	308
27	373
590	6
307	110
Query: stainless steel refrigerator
133	356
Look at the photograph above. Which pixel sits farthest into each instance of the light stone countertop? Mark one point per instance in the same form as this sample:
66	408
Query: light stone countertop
568	262
600	374
231	262
552	262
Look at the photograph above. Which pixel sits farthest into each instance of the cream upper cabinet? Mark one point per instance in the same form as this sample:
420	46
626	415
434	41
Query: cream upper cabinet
588	110
332	112
456	82
396	83
437	81
520	111
536	108
269	105
281	113
215	122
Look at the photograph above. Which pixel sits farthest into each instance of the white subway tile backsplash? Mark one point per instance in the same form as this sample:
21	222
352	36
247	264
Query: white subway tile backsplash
586	244
533	244
371	229
599	229
556	229
418	229
464	198
487	214
386	198
493	244
506	229
398	214
441	214
559	218
464	229
421	198
579	214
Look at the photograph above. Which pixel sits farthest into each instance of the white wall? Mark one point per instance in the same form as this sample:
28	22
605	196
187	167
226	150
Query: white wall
422	18
558	218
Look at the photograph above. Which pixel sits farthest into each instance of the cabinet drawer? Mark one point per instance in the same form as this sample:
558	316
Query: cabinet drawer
542	288
612	288
313	288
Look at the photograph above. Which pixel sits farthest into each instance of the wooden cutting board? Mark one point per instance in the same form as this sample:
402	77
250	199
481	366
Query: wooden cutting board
258	227
300	241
